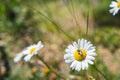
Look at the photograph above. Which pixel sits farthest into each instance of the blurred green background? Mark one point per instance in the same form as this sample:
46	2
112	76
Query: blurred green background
57	23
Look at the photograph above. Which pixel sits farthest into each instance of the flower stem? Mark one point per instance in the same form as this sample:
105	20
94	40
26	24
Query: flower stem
87	23
100	72
87	20
49	67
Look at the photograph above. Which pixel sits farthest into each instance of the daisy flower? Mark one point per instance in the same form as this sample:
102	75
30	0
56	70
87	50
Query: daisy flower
80	54
29	52
115	7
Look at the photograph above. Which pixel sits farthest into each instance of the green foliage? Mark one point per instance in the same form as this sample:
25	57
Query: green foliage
108	37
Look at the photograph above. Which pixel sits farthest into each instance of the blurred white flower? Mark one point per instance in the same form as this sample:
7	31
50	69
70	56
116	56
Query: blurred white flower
29	52
80	54
115	7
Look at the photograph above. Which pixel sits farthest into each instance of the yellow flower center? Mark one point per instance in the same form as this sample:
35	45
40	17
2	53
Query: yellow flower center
34	70
80	54
118	4
32	50
46	70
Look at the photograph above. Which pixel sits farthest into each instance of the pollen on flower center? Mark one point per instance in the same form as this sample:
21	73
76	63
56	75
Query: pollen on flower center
32	50
118	4
80	54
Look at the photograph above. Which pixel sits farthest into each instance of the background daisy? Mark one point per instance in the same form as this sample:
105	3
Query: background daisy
29	52
115	7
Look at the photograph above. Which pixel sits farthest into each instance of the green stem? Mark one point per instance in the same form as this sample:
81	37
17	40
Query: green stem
72	13
100	72
51	69
54	23
87	23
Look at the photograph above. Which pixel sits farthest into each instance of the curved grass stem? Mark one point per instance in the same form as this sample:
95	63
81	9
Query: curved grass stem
58	26
49	67
72	12
100	72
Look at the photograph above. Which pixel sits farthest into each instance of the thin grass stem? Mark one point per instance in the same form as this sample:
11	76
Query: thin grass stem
87	23
100	72
49	67
72	12
87	20
55	24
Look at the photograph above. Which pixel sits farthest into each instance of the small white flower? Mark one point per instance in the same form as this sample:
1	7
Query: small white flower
80	54
29	52
115	7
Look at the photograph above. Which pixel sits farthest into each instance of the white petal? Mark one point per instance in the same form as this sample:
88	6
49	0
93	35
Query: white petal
39	45
90	50
78	66
27	57
90	45
85	42
36	52
25	51
112	10
86	45
73	65
31	46
68	51
69	60
86	64
71	48
90	62
91	54
116	11
82	43
90	58
79	43
18	57
67	56
75	45
83	65
113	4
